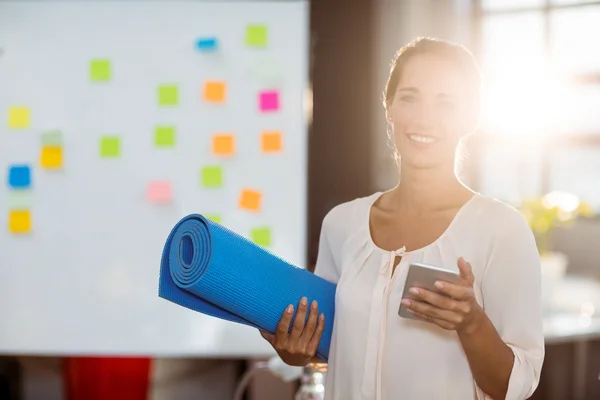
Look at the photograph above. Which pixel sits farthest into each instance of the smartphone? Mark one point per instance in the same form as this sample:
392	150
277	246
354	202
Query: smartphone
424	276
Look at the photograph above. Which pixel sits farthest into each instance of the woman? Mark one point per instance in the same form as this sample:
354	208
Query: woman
483	338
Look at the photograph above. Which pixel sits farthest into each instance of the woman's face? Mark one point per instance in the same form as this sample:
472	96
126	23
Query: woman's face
431	111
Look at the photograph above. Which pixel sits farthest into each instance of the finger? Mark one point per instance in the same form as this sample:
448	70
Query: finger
281	334
466	271
438	300
298	325
316	337
269	337
311	325
438	322
433	312
455	291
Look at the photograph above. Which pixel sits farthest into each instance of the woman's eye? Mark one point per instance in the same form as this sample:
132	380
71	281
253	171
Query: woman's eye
409	99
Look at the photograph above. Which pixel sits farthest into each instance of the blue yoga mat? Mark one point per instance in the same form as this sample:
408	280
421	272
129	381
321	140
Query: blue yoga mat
215	271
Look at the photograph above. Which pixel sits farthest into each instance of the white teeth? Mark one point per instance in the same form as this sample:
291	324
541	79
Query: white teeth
422	139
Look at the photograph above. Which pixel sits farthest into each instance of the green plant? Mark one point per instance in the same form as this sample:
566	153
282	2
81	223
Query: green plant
556	209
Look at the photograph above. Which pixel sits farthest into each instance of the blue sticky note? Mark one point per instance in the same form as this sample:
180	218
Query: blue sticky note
207	43
19	176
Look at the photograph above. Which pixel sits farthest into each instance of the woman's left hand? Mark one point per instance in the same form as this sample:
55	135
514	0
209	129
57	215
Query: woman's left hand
455	309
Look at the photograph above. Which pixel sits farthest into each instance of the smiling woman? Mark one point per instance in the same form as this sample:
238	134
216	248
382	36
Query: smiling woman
436	110
478	337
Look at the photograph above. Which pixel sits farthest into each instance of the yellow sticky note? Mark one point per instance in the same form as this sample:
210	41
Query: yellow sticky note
223	145
261	236
214	92
256	35
271	142
250	200
19	221
18	117
51	157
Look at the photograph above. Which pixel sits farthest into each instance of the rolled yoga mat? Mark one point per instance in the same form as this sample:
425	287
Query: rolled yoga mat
215	271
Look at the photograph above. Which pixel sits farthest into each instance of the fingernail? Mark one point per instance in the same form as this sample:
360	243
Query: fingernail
314	304
322	317
304	301
406	302
414	290
290	309
439	285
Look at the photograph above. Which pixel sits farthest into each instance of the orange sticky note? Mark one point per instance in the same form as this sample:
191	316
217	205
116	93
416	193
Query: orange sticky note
159	192
250	200
19	221
223	145
51	157
271	142
214	92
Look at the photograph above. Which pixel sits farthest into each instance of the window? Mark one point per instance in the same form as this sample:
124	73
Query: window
497	5
540	126
573	39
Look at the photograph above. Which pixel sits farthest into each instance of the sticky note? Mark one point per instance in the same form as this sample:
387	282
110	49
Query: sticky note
256	35
19	221
223	145
51	157
268	100
214	217
164	136
19	176
52	138
214	92
19	199
261	236
250	200
160	192
271	142
212	176
207	43
110	147
100	70
168	95
18	117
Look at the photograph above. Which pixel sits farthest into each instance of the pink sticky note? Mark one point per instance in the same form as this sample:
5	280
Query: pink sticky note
160	192
268	100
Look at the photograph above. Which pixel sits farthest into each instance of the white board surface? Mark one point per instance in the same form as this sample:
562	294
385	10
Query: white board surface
84	279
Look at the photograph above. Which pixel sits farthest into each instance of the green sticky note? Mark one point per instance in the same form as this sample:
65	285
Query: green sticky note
167	95
261	236
256	36
164	136
19	199
110	146
100	70
52	138
214	217
212	176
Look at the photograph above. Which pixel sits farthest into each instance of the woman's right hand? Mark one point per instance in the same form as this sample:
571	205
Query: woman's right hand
299	346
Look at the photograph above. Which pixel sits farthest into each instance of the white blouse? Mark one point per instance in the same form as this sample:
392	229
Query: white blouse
376	354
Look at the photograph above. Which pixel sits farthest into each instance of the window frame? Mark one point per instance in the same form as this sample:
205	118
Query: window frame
554	143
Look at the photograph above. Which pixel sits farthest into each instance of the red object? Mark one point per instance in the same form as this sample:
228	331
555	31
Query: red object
103	378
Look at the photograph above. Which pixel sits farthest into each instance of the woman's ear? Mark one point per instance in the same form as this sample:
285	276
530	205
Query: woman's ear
388	116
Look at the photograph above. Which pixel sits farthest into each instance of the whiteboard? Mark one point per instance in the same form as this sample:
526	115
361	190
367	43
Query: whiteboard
82	278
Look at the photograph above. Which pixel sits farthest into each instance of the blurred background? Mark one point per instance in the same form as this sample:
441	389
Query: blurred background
537	147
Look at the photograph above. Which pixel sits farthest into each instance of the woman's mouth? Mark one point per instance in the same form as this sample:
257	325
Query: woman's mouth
422	139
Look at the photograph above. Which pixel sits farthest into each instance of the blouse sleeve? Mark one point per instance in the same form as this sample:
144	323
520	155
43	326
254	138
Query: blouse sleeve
511	290
326	266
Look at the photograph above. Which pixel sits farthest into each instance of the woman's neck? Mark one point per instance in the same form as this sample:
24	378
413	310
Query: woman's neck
428	189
